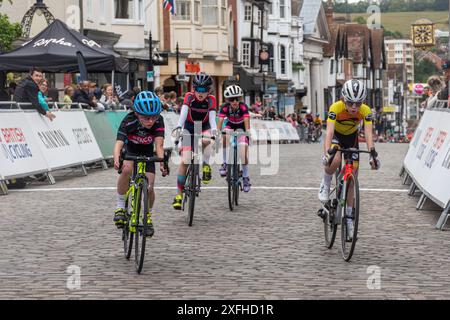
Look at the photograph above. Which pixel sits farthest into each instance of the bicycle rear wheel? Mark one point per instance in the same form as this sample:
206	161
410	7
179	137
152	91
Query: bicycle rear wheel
128	236
141	221
348	244
230	172
329	224
192	193
237	186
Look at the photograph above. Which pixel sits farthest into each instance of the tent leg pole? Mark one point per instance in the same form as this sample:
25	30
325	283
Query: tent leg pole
3	188
443	218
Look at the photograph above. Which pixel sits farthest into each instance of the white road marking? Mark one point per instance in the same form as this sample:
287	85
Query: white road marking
203	188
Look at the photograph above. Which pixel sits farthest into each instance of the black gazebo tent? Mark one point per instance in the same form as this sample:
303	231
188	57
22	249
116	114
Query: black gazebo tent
57	49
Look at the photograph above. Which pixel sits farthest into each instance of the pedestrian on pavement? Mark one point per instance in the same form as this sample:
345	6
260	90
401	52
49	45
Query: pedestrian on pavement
27	92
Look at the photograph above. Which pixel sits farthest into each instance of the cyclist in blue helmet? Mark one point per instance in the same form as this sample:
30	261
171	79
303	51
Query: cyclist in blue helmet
139	132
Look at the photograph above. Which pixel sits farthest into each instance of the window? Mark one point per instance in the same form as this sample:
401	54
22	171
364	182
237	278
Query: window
197	10
282	59
90	10
124	9
271	61
331	66
102	11
257	47
355	70
258	16
246	53
270	8
141	11
248	12
282	8
183	10
223	11
209	12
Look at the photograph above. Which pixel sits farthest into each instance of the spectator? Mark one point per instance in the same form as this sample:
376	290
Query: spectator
257	106
27	92
269	113
42	94
292	119
68	96
172	101
12	89
109	99
180	101
443	94
159	91
82	96
94	90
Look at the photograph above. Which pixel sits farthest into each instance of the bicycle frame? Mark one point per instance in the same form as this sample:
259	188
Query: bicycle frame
136	182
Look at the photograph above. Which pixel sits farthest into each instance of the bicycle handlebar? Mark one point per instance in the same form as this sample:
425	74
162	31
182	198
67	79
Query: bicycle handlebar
347	151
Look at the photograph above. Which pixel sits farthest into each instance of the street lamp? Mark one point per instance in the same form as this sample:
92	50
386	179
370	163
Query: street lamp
177	53
150	72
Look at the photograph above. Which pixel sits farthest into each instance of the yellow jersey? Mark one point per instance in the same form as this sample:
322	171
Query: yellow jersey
344	122
317	120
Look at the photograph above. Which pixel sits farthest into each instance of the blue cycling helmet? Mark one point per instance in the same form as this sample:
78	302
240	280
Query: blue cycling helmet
147	103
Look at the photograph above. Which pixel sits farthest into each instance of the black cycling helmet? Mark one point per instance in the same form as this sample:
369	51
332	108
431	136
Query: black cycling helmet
202	80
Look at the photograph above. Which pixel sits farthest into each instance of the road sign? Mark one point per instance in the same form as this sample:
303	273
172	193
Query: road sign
150	76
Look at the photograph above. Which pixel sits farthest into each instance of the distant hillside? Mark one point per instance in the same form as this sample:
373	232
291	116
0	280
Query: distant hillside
401	21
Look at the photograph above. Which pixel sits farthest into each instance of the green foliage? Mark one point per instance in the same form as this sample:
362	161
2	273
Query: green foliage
424	69
10	32
340	6
360	20
394	34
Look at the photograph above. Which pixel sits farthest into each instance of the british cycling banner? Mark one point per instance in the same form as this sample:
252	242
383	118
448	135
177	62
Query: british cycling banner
67	140
428	157
20	154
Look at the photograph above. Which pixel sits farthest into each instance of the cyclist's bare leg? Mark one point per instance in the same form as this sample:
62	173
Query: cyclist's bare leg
182	169
350	193
334	164
151	191
124	177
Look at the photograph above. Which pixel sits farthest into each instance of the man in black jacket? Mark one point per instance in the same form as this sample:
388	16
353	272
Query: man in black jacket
27	92
83	96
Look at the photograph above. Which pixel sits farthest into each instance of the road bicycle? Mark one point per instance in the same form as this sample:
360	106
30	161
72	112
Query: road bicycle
193	181
136	205
234	172
333	212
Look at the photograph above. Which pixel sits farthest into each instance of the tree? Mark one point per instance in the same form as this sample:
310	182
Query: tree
423	70
10	32
360	20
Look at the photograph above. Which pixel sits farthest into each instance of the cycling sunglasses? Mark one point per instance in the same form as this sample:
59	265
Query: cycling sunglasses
233	99
201	89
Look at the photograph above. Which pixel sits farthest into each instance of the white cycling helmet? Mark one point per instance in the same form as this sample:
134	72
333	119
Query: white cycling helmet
233	91
354	91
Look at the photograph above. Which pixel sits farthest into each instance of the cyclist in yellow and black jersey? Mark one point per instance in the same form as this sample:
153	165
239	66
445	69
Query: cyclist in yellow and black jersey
344	118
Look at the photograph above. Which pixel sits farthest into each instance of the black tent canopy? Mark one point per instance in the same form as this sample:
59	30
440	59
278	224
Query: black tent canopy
57	49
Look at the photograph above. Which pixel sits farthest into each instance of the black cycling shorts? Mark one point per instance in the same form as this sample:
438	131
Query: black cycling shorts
150	166
346	142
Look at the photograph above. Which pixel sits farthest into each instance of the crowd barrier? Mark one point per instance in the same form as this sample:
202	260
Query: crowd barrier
427	162
31	144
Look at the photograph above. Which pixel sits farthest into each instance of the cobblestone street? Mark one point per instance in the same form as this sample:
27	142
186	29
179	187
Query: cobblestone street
271	247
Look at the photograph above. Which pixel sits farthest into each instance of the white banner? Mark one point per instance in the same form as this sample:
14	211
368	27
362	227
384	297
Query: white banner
170	122
20	154
67	140
428	157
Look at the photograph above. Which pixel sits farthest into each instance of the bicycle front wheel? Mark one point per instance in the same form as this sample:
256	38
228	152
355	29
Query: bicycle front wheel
230	171
141	220
192	193
128	236
348	242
